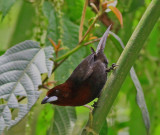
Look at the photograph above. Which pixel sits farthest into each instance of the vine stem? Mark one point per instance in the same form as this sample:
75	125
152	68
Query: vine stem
125	62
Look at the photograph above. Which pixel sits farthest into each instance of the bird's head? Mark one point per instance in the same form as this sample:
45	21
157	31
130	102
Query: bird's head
56	95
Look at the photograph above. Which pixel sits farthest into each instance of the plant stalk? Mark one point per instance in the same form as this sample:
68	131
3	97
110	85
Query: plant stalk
82	19
125	62
68	53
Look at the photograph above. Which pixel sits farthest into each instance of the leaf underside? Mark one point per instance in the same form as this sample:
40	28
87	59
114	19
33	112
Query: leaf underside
20	75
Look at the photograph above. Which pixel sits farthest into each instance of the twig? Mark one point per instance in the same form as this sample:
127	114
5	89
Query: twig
90	42
43	86
90	27
94	7
82	20
55	67
20	99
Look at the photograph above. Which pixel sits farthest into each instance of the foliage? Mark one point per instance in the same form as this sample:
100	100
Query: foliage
20	77
59	21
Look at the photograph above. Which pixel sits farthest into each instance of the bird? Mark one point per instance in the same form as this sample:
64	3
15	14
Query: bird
86	81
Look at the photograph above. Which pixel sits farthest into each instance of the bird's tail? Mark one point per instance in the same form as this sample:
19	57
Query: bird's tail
102	43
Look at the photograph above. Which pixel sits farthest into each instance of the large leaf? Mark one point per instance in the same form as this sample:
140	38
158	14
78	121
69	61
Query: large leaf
64	119
5	6
27	11
135	4
20	74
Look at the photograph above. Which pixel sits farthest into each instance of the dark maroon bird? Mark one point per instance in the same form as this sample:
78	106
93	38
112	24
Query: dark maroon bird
86	81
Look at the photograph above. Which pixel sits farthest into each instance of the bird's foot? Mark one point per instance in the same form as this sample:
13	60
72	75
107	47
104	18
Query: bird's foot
90	113
95	104
89	107
111	68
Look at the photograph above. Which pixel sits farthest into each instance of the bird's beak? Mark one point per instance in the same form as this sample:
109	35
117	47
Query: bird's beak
49	99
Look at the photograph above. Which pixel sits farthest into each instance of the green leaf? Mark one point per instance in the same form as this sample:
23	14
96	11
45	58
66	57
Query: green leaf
44	118
20	75
64	119
5	6
135	4
136	126
153	43
2	52
77	7
53	31
26	12
140	99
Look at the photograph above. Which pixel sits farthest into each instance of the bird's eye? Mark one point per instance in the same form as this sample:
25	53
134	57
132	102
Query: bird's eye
57	91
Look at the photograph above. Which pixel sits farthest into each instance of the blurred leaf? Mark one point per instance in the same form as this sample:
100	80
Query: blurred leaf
154	41
157	130
2	52
77	7
25	18
135	4
64	119
136	126
140	96
53	26
44	119
73	10
5	6
140	99
20	74
118	14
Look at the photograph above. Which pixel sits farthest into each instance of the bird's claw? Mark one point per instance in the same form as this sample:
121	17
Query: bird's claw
95	104
114	66
89	107
111	68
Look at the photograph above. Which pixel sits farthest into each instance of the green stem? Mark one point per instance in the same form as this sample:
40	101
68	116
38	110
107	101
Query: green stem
69	53
125	62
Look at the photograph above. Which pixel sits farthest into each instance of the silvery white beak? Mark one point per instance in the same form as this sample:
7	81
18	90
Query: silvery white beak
49	99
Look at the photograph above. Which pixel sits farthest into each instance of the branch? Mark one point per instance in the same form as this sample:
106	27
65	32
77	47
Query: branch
125	62
90	27
90	42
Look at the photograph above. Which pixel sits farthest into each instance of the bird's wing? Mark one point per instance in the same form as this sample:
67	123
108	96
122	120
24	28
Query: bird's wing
83	70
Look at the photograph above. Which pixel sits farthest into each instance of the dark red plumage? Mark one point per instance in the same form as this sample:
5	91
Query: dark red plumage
86	81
